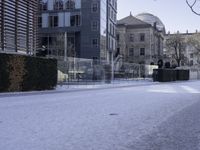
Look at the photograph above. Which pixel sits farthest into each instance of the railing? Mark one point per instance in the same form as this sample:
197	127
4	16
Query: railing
88	71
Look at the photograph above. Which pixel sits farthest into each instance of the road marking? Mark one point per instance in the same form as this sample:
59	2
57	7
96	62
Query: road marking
190	89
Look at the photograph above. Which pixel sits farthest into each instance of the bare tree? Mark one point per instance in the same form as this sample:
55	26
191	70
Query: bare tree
176	47
194	6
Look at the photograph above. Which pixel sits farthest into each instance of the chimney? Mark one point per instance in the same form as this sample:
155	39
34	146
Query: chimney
154	25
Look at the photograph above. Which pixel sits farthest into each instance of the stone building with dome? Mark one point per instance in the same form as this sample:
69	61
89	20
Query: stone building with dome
140	38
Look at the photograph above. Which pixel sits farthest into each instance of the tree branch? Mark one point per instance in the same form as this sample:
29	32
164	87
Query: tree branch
192	7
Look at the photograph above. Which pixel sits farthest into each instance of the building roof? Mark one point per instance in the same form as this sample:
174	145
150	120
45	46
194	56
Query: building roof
151	19
131	20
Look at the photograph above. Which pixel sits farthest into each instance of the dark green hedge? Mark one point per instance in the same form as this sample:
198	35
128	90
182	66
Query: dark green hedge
4	73
25	73
182	75
167	75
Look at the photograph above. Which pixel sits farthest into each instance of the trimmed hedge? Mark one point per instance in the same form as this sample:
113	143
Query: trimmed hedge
182	75
164	75
4	73
25	73
167	75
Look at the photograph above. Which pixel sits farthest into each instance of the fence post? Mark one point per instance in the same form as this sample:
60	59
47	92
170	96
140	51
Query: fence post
65	46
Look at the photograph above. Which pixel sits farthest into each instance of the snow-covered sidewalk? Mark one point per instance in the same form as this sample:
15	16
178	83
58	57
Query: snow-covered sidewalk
106	119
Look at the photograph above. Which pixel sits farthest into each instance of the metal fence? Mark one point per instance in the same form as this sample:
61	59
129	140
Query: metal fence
87	71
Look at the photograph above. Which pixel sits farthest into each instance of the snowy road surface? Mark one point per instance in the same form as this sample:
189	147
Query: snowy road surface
154	117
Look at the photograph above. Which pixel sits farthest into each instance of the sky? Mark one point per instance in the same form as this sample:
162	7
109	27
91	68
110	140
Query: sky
175	14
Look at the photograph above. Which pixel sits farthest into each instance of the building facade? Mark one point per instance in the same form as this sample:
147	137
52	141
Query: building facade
18	26
140	39
77	28
190	52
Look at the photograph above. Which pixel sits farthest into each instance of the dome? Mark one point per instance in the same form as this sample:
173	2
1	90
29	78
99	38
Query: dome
151	19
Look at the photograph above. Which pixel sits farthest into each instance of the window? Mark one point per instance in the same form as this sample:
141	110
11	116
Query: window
115	17
40	6
142	37
118	52
75	20
113	30
108	12
53	21
112	44
191	55
191	63
113	2
70	5
43	5
110	28
58	5
142	51
95	43
112	14
118	37
94	25
39	21
131	38
131	52
94	7
109	42
115	5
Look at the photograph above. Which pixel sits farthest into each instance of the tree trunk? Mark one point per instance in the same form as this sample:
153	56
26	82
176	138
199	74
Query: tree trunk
178	62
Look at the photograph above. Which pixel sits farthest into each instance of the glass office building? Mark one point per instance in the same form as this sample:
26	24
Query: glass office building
79	27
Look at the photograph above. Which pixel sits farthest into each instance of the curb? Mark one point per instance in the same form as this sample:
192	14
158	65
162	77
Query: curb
18	94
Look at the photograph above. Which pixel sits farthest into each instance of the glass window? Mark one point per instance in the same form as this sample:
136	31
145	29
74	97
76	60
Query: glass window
118	52
75	20
110	28
70	5
115	17
94	25
39	21
43	5
95	43
131	52
113	30
115	5
58	5
118	37
94	7
191	55
142	37
142	51
131	38
108	12
53	21
191	63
